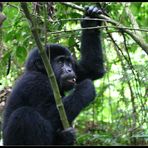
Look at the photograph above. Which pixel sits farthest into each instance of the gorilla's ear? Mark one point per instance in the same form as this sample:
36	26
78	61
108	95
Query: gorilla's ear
39	64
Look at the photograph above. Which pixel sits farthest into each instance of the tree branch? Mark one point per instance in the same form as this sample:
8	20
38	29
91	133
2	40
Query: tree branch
132	18
99	27
48	67
140	41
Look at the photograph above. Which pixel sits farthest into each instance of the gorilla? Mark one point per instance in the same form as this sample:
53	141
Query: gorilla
31	116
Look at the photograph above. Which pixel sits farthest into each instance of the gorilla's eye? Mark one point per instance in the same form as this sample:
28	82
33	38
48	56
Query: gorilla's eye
60	60
69	64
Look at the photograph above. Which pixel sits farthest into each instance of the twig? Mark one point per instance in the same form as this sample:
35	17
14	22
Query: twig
102	27
92	19
99	27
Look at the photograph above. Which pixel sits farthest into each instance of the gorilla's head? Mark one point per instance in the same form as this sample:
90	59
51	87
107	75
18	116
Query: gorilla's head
61	61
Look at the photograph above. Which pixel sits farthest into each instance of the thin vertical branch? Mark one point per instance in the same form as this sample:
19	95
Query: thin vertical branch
132	18
48	67
134	117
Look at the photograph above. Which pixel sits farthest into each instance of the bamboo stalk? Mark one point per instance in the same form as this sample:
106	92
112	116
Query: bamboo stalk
48	67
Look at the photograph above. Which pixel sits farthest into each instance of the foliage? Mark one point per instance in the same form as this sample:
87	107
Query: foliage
118	116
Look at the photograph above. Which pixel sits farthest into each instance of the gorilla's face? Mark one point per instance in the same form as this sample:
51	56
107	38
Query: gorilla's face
64	71
62	63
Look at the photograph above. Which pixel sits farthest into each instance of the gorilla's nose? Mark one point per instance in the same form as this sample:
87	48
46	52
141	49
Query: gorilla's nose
68	70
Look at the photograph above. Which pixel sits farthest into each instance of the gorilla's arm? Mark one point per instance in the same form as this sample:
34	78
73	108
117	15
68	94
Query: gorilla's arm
74	103
91	62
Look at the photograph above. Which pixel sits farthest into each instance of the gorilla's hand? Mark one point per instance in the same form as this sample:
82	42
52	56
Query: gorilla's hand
86	90
91	12
67	136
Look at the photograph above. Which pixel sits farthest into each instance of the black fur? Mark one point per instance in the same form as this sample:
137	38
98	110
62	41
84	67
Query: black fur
31	116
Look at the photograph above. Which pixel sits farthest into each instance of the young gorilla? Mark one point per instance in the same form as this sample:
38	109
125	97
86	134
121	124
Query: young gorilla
31	116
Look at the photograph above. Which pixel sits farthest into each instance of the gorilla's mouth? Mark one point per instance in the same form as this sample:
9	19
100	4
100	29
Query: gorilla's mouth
73	80
68	83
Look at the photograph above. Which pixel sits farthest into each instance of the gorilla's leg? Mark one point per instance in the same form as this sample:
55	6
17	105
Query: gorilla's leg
27	127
